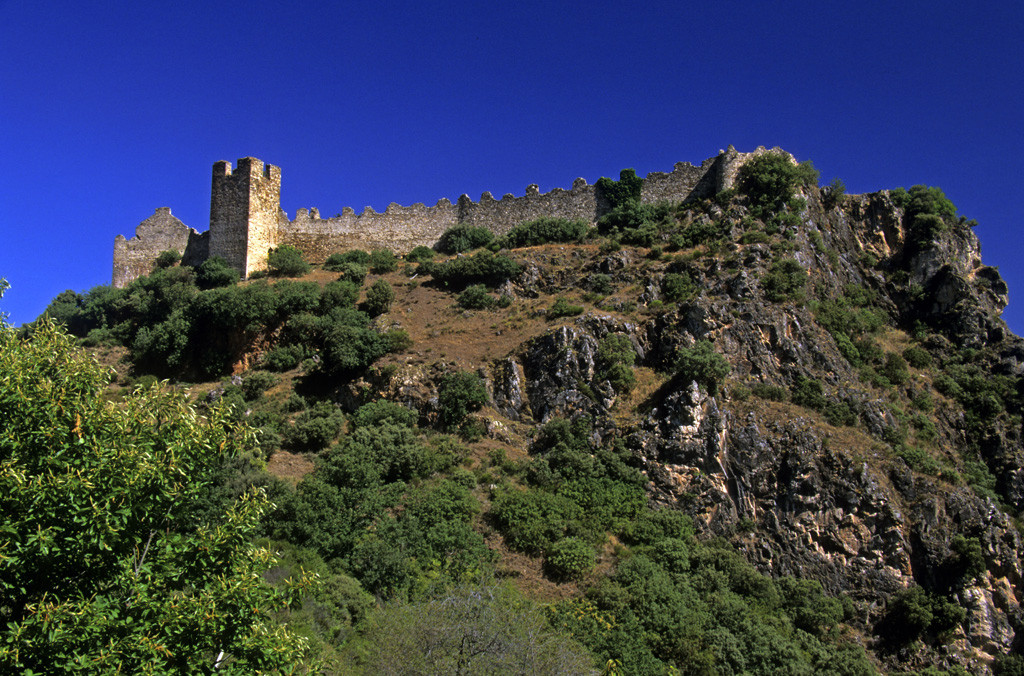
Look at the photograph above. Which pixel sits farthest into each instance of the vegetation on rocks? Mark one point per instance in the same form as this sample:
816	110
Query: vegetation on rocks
772	430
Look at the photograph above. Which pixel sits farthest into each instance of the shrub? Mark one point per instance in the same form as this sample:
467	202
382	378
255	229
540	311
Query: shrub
377	412
532	521
168	259
335	261
397	340
352	272
636	223
563	308
462	238
482	267
338	294
621	377
807	392
382	261
458	395
600	284
315	428
544	230
839	413
895	369
769	392
476	297
569	559
702	364
420	254
615	348
917	357
379	297
769	180
678	287
256	383
785	280
286	261
215	272
834	194
624	191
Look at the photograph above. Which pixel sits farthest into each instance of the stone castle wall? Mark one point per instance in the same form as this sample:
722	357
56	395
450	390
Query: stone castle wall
160	232
246	219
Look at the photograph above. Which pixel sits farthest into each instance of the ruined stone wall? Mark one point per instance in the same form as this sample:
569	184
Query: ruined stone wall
502	215
246	220
399	228
160	232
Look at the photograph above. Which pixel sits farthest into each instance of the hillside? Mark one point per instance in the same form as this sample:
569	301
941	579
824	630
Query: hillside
773	431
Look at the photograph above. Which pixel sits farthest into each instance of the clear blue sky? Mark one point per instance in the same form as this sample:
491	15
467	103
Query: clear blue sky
111	109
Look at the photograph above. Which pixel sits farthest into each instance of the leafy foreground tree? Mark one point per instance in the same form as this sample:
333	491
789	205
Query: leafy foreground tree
104	565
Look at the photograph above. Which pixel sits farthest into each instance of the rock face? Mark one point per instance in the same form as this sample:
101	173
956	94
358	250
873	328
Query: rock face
834	490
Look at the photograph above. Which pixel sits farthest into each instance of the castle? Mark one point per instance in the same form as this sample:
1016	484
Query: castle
246	219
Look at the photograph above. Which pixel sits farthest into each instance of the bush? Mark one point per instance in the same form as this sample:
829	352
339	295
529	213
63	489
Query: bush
702	364
834	194
256	383
420	254
770	179
600	284
785	280
338	294
483	267
283	358
563	308
458	395
397	340
315	428
895	369
807	392
462	238
168	259
352	272
476	297
382	261
678	287
917	357
336	261
624	191
379	297
544	230
378	412
569	559
286	261
215	272
769	392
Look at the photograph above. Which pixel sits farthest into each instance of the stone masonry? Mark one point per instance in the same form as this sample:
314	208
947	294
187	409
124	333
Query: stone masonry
246	219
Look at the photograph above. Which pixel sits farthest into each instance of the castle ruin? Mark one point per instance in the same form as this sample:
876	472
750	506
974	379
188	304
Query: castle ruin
246	219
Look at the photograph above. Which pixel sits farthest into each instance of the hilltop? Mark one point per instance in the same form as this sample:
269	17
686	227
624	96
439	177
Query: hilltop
769	427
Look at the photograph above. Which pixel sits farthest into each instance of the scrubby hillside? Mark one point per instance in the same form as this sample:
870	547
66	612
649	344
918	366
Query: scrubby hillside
776	431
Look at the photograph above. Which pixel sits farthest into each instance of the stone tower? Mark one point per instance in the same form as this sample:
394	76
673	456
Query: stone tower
244	208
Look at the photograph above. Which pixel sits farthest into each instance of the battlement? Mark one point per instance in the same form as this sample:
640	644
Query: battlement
246	219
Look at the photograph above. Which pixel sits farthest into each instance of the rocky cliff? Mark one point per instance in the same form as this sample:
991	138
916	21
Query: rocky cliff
867	434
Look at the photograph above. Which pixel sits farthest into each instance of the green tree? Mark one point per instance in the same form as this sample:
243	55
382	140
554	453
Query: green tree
379	297
702	364
458	395
215	272
103	567
287	261
461	238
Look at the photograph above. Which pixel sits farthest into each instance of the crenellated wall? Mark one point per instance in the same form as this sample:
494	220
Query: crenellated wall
246	219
